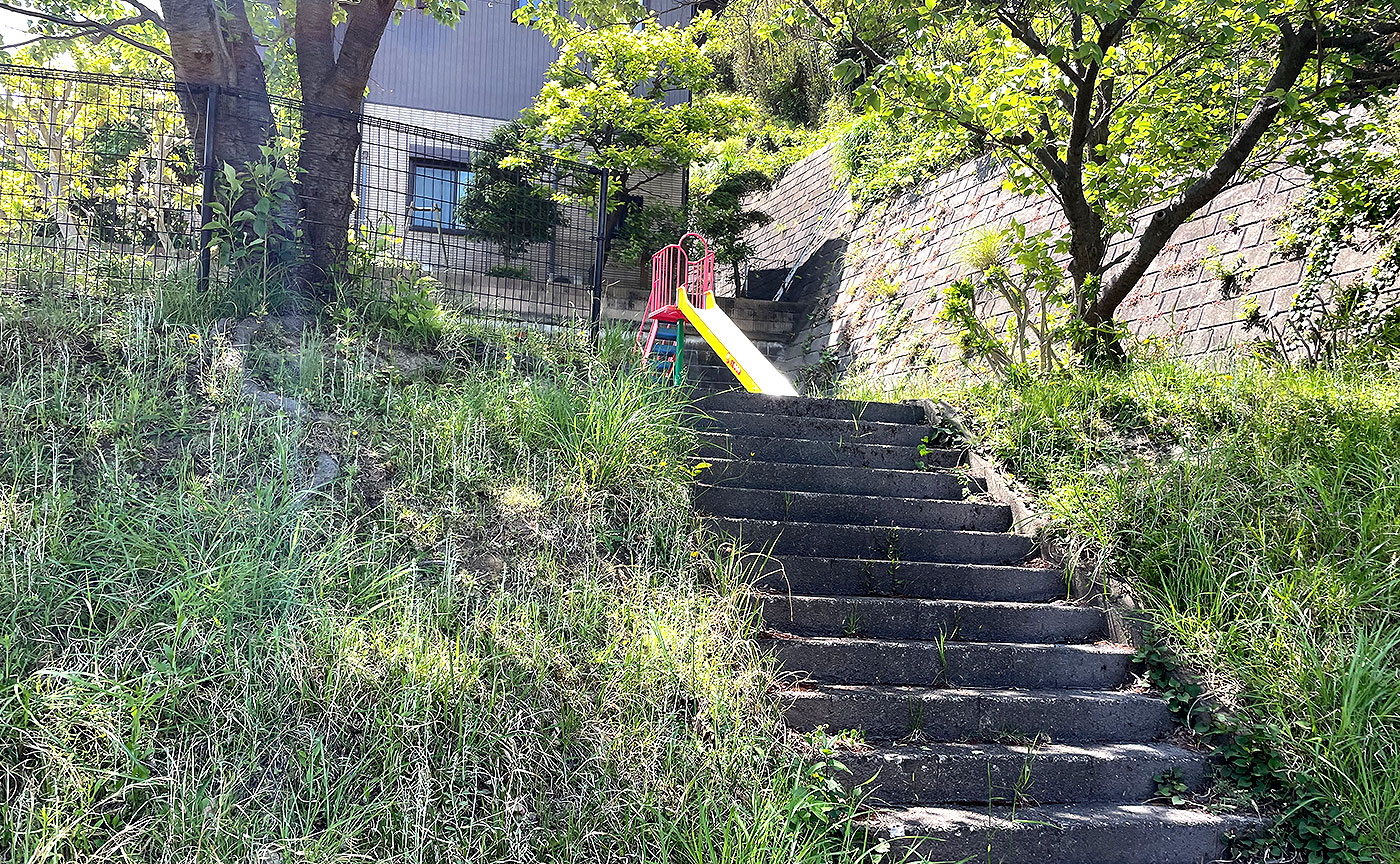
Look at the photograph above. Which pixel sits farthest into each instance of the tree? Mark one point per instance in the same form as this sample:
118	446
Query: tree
503	205
615	98
1133	114
721	218
333	44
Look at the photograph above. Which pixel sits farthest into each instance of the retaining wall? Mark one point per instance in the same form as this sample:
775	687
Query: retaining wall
877	277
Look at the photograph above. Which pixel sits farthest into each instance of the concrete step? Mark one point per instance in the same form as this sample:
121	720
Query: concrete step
831	409
1062	834
1027	773
833	509
836	479
910	618
878	544
797	451
844	660
792	574
812	428
986	714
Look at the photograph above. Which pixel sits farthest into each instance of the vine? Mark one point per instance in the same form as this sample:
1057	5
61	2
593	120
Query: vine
1309	828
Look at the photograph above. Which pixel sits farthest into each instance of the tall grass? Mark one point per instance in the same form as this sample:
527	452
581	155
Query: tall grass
1256	510
496	636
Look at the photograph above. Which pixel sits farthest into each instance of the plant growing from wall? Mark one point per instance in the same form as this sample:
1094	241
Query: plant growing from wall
1122	108
1015	279
1352	204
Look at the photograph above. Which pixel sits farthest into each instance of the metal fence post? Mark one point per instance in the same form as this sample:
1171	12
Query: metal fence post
206	199
601	255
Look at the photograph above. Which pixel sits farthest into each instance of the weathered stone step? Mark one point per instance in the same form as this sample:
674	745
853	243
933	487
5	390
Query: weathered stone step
836	479
812	428
832	409
875	543
980	714
1021	773
828	508
912	618
1062	834
843	660
798	451
794	574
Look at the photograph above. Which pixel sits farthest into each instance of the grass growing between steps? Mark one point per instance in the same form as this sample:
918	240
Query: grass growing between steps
1256	512
493	634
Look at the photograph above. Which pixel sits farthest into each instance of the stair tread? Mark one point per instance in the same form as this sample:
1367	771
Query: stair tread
1096	648
833	508
820	407
929	618
909	473
918	691
1057	817
1049	750
781	450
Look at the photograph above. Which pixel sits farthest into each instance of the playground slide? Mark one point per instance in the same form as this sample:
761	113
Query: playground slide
743	359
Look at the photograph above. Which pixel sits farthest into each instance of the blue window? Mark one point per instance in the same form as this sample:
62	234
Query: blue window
437	189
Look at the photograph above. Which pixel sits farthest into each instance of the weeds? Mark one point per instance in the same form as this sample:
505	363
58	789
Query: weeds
493	634
1254	510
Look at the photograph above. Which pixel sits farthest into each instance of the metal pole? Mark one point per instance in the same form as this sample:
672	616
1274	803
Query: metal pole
601	256
678	367
206	201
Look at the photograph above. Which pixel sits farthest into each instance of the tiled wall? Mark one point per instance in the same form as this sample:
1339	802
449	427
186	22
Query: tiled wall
878	277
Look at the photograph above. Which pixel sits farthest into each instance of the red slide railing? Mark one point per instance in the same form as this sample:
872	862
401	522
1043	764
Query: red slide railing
673	271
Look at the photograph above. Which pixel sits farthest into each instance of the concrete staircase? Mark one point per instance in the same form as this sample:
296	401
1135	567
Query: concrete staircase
995	722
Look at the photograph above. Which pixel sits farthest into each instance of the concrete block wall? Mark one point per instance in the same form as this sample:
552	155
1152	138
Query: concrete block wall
875	300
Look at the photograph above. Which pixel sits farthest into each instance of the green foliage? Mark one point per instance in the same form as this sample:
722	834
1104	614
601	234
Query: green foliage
885	158
510	271
758	51
1309	826
1252	510
497	634
645	229
1114	109
253	244
1351	204
1034	301
604	100
721	218
503	204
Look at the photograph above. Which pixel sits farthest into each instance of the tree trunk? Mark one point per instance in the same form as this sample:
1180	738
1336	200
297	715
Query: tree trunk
210	49
333	80
330	143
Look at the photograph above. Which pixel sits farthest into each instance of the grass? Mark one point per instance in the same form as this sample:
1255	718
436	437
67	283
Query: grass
496	634
1256	512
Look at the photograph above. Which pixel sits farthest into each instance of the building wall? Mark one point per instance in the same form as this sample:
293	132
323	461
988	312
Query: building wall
487	66
876	279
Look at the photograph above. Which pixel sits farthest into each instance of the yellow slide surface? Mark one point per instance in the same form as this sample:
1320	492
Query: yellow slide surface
743	359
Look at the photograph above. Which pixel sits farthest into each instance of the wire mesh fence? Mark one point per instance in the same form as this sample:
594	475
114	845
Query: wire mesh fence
104	187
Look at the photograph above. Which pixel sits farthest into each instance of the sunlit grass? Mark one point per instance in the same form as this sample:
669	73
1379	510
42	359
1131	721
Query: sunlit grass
1256	511
498	635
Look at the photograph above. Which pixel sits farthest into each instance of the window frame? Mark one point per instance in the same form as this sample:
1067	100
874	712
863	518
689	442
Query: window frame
416	162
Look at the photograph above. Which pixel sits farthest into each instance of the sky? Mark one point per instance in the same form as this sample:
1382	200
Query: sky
12	26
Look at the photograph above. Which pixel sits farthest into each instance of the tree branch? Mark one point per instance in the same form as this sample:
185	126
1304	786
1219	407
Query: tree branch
89	28
1296	47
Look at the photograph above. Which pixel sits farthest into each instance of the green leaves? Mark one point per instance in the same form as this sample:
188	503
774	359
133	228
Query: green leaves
612	99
